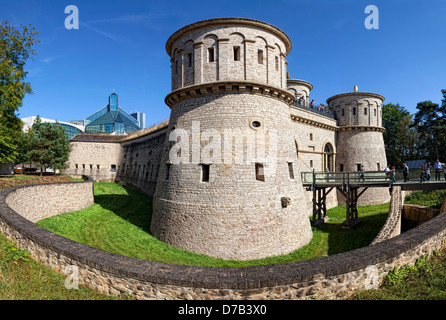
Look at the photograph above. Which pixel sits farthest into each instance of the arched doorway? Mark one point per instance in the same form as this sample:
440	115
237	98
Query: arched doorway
328	157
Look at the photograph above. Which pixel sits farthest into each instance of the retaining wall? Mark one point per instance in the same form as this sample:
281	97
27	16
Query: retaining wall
331	277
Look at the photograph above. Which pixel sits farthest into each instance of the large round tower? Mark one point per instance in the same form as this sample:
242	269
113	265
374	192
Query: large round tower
228	183
360	138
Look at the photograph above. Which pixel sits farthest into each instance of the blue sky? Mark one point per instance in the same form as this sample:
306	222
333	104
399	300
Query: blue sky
120	46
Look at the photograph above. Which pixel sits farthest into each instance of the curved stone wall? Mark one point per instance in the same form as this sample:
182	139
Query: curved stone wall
331	277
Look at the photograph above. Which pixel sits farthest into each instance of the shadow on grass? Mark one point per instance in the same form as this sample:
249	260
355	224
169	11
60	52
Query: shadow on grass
134	207
361	235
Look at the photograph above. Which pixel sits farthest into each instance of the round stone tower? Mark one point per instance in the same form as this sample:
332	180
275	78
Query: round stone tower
360	138
228	184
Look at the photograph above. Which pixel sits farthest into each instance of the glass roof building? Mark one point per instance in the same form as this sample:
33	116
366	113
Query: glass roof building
111	119
70	129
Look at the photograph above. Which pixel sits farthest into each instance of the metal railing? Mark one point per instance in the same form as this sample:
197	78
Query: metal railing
306	107
345	179
369	178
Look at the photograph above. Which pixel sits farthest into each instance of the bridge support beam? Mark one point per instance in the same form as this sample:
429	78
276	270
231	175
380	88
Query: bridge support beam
351	205
320	204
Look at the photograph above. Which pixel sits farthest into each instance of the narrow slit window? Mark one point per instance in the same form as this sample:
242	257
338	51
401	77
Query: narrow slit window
365	111
311	137
205	169
277	63
176	67
260	56
189	59
237	53
211	54
354	111
342	112
290	169
311	163
260	172
341	167
167	177
374	112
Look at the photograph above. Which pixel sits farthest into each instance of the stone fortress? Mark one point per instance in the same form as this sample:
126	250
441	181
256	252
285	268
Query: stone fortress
230	82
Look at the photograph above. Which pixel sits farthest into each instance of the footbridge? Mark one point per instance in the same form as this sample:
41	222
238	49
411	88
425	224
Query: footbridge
353	184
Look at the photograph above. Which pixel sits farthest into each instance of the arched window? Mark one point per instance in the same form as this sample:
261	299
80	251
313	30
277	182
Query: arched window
328	158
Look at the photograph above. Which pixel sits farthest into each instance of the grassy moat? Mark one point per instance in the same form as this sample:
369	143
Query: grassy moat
118	222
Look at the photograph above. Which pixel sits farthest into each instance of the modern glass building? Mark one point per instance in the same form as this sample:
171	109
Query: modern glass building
70	129
111	119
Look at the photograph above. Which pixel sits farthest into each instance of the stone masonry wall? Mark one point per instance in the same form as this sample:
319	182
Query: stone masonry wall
331	277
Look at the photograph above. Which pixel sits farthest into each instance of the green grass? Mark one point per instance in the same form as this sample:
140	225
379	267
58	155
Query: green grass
426	280
434	198
22	278
119	222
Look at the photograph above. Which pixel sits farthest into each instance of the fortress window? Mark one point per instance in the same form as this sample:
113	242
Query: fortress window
277	63
358	167
260	56
211	55
97	166
342	112
237	53
167	177
205	169
77	166
354	111
260	173
290	169
365	111
189	59
113	168
311	136
91	167
311	163
374	112
341	167
83	166
176	67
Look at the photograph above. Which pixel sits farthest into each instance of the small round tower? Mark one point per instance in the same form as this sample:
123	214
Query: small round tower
360	137
234	190
300	88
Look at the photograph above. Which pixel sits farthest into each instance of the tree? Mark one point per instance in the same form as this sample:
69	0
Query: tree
48	145
395	120
430	121
16	47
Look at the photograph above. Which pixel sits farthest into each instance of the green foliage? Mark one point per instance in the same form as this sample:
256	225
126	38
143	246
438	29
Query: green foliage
47	145
430	122
428	198
401	140
13	254
409	272
16	47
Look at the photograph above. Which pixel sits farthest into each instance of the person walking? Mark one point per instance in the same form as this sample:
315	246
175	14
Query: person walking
437	168
387	171
405	172
361	176
422	173
392	174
